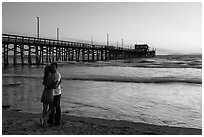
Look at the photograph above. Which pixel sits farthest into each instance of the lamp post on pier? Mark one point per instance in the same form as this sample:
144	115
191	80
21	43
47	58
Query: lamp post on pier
107	39
122	43
38	57
38	27
58	50
57	34
91	40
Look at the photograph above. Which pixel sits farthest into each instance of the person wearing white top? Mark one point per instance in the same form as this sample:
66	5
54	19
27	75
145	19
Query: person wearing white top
55	116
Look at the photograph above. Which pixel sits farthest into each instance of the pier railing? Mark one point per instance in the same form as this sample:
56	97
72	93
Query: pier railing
10	39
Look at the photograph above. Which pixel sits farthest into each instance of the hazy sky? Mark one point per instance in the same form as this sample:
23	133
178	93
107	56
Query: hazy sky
174	26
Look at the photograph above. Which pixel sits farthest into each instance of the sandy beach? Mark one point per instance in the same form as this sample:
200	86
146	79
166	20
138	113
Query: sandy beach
19	123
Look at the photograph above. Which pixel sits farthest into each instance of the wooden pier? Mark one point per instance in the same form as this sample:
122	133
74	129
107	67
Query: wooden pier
32	50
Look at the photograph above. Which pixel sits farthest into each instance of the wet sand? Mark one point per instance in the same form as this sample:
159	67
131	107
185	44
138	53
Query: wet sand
19	123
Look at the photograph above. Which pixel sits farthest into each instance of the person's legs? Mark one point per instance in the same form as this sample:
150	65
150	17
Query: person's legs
58	109
45	106
51	114
49	111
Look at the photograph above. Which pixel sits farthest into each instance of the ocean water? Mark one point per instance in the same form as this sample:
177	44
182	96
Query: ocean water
166	90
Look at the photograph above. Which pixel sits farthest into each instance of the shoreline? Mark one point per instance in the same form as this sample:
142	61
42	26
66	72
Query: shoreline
21	123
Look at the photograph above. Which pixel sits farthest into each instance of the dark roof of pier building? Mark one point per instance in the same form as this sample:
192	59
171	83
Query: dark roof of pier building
141	46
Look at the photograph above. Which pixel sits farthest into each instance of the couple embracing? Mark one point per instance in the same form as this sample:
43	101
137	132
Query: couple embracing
51	95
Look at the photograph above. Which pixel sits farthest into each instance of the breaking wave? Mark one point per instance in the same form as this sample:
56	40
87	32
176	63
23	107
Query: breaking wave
106	78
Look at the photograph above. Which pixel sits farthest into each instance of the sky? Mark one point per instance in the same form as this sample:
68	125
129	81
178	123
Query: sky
173	26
